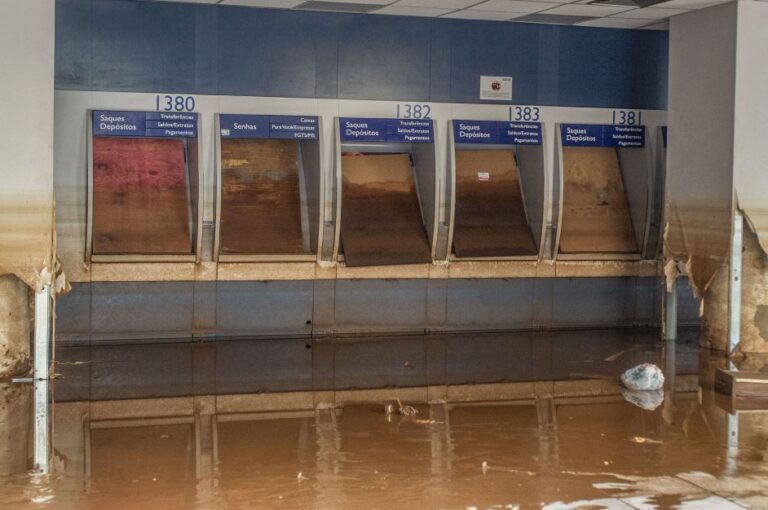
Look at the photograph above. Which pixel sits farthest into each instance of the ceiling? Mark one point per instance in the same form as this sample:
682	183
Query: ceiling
605	13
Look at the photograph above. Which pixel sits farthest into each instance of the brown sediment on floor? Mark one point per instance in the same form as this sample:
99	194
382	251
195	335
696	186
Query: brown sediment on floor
140	203
596	216
260	198
490	213
381	220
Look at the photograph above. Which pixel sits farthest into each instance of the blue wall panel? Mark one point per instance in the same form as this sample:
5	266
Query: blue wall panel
491	48
143	46
117	45
264	307
385	58
618	69
259	56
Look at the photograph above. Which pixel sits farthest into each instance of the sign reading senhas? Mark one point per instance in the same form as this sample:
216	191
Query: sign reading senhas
295	127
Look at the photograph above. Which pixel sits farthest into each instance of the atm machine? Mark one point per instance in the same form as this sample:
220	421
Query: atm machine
268	188
497	207
387	200
144	192
604	193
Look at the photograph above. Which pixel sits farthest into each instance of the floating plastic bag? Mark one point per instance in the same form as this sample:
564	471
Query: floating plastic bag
643	377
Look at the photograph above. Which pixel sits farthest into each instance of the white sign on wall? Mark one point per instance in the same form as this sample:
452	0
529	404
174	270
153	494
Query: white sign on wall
496	88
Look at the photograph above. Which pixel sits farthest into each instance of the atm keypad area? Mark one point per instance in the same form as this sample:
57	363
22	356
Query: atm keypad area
389	197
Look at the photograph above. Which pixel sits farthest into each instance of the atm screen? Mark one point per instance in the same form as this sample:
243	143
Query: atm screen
140	196
490	219
381	221
596	217
261	198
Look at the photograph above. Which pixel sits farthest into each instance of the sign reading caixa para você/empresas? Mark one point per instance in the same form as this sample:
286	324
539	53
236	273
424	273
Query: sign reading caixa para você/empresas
294	127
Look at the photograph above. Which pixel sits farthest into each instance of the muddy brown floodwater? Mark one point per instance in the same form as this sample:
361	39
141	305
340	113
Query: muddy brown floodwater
568	442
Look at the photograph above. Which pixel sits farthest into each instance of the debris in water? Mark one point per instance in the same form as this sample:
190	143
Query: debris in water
406	410
614	357
648	400
643	377
641	440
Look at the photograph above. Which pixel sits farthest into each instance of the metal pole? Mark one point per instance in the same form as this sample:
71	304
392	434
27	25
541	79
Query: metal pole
40	375
670	309
734	284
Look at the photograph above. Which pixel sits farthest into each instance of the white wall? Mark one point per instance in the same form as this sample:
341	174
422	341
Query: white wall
702	68
26	135
750	164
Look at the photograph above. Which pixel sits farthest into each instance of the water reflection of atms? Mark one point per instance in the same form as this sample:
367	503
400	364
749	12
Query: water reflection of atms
268	187
387	196
604	193
143	186
499	186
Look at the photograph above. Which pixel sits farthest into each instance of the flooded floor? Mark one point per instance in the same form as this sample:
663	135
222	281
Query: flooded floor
504	421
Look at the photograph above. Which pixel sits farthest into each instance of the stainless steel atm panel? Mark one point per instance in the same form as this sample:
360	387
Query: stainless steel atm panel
498	190
605	192
144	193
387	194
268	188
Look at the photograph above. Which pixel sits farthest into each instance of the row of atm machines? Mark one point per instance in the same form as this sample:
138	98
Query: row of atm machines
389	198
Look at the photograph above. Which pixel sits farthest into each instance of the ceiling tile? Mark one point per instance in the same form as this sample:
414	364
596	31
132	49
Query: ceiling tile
369	2
690	4
614	23
343	6
651	13
397	10
444	4
484	15
552	19
191	1
657	26
511	6
587	10
286	4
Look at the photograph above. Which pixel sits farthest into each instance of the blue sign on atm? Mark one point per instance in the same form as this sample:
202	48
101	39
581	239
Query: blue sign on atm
160	124
354	129
268	126
497	132
602	135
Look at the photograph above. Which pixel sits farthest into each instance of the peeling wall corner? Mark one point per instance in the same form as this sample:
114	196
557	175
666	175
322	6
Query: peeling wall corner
757	221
